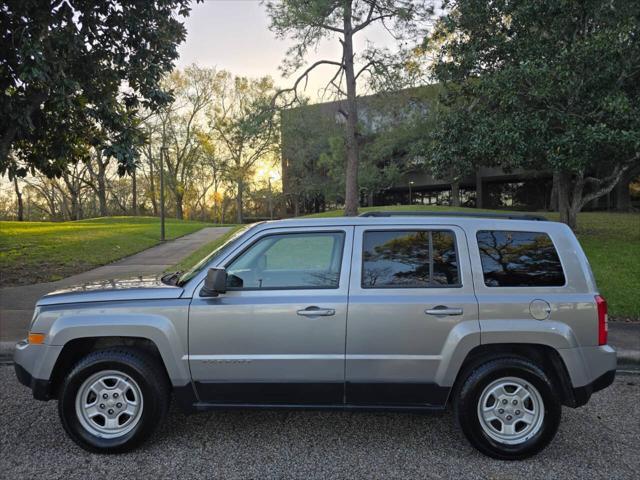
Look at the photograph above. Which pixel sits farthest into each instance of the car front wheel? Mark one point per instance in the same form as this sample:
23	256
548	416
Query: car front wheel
113	399
508	409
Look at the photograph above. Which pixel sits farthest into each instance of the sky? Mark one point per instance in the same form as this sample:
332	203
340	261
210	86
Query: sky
234	35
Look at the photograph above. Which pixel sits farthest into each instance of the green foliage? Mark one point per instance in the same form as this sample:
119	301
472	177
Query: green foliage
32	252
74	73
552	84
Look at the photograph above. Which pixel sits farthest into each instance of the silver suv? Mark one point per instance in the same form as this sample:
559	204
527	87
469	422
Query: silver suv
497	317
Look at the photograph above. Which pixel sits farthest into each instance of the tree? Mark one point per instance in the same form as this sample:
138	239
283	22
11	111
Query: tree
306	135
178	123
243	124
550	85
68	66
309	22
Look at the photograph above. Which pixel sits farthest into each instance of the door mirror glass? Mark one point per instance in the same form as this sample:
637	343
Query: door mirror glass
215	283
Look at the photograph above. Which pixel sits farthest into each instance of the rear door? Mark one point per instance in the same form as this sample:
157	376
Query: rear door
411	294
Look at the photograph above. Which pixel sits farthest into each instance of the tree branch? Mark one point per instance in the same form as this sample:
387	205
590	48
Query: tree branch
608	182
303	76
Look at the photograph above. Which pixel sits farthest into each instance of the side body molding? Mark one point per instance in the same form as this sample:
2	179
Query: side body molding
157	328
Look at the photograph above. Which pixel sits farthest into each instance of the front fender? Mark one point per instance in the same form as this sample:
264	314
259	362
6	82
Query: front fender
156	328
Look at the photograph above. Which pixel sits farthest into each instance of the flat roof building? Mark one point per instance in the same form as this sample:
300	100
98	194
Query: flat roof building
309	136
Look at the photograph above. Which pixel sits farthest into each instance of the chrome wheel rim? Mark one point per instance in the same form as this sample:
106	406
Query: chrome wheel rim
109	404
510	410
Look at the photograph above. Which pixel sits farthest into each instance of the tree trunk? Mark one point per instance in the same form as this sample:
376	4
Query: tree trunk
240	191
179	198
19	197
553	201
370	199
102	187
296	206
455	194
52	203
152	188
623	196
351	194
564	198
134	188
75	207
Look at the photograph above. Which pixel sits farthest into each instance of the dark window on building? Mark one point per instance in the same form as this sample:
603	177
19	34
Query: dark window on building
409	259
519	259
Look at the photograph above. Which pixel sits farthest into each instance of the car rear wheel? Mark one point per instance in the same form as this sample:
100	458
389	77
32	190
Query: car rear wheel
508	408
113	399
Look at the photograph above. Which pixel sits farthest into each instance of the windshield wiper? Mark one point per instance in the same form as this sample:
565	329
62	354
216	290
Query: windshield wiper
171	278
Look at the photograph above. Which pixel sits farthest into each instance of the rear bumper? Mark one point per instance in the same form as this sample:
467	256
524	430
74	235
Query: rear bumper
582	394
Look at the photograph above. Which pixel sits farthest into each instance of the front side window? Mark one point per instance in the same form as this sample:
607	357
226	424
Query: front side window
519	259
409	259
290	260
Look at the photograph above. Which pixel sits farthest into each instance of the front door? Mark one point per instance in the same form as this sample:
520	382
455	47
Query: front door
411	299
278	334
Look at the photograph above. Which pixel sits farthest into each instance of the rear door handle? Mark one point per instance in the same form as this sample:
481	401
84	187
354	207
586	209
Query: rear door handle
316	312
442	310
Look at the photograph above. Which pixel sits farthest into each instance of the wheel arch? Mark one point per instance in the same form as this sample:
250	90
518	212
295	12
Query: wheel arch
545	356
78	347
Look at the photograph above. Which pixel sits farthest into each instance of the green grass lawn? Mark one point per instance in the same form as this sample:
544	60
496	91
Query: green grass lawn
32	252
611	242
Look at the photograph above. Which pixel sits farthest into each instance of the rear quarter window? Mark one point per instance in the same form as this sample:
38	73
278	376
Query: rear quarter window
519	259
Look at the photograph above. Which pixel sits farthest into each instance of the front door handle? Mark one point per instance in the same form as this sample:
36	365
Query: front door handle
316	312
442	310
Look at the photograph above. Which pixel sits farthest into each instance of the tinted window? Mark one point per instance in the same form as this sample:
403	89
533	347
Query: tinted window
519	259
292	260
409	259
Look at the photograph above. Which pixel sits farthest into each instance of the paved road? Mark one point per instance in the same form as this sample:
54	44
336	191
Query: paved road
16	303
600	440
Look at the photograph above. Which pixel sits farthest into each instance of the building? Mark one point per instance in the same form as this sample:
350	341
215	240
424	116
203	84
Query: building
306	136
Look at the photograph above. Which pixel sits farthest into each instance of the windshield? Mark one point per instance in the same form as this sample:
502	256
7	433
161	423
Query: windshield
216	253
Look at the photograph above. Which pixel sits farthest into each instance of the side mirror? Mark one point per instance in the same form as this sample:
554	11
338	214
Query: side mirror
215	283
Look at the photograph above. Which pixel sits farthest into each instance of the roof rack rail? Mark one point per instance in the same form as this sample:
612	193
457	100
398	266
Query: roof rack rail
422	213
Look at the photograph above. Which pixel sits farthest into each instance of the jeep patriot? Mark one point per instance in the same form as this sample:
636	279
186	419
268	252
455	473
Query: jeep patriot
496	317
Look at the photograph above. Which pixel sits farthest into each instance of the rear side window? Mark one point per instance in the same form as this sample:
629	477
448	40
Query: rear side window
519	259
409	259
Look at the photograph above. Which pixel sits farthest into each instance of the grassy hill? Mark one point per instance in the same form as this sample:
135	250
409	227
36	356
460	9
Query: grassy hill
32	252
611	242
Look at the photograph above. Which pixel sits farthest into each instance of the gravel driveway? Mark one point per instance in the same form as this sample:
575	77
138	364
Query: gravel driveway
601	440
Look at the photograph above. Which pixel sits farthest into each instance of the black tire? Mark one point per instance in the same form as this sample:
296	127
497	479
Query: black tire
470	391
150	377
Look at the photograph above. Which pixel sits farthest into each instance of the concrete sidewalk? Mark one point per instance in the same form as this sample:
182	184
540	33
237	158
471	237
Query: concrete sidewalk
17	303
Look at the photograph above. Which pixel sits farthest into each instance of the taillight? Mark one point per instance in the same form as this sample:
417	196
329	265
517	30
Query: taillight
603	320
